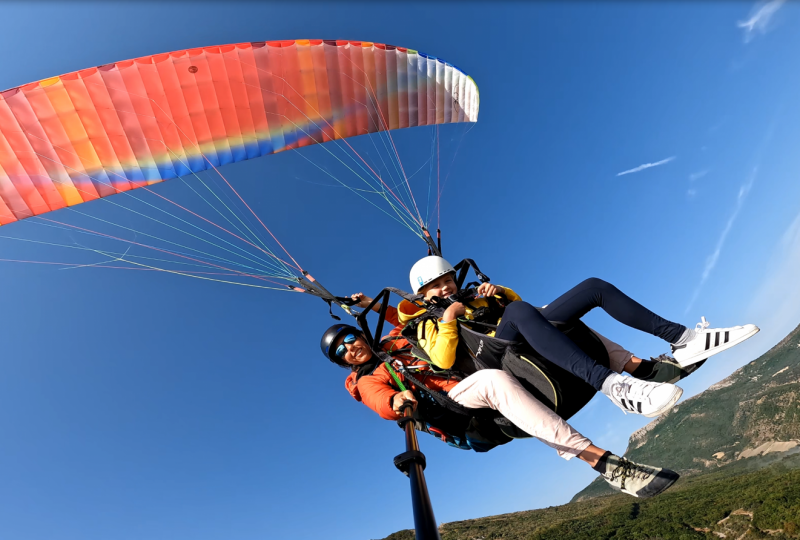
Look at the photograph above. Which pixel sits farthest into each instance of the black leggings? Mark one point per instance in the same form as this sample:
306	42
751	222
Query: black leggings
522	321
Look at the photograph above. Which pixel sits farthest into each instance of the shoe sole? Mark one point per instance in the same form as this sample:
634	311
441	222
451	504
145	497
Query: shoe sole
666	477
673	400
704	355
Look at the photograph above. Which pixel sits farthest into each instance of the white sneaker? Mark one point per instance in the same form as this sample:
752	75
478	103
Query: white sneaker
710	341
641	397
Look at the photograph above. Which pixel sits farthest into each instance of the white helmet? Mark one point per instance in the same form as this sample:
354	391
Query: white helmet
428	269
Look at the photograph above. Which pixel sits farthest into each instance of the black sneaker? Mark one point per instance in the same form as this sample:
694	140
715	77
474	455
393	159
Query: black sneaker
642	481
666	369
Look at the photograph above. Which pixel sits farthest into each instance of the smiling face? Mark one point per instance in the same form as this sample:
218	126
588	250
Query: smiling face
357	353
443	286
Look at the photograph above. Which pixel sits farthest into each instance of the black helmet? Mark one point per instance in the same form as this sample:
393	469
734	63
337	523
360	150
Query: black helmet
329	338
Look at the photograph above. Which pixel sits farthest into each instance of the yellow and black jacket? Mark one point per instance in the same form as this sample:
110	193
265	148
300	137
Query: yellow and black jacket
440	340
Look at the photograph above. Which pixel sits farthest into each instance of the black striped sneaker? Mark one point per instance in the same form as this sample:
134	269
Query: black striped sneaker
641	397
710	341
642	481
666	369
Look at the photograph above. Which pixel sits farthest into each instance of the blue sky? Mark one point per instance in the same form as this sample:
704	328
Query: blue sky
141	405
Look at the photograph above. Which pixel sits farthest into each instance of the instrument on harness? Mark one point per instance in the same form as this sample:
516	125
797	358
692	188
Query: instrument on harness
485	316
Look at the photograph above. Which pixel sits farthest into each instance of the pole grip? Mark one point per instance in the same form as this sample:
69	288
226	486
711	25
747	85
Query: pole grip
413	461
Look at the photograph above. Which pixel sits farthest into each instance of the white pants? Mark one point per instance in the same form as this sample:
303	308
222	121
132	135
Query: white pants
496	389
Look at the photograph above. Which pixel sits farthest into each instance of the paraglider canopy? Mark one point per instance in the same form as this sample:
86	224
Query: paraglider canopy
124	126
103	130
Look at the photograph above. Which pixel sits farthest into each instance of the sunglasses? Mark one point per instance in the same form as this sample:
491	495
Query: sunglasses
341	350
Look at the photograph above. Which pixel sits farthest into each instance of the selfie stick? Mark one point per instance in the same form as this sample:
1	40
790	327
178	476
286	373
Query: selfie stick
412	463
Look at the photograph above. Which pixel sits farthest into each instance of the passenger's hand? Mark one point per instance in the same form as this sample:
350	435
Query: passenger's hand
402	397
487	289
362	299
454	311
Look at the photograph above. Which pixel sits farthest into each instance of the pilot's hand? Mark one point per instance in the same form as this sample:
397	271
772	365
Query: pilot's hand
402	397
362	299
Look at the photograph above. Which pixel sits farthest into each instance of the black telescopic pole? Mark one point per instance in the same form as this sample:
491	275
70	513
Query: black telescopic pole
412	464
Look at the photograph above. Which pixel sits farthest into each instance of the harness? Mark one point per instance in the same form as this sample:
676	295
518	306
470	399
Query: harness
479	429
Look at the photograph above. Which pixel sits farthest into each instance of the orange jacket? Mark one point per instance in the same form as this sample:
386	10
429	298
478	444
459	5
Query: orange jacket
377	390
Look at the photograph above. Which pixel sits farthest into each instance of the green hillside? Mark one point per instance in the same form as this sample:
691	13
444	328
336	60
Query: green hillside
730	503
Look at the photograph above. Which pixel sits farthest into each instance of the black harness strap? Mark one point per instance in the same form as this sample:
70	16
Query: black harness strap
462	268
309	285
433	248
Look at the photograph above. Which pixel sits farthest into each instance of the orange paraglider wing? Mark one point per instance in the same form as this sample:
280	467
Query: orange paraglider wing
104	130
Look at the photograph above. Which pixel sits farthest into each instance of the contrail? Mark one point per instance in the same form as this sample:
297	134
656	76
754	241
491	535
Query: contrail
647	166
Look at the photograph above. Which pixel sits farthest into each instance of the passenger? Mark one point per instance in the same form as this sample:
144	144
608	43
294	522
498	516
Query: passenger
520	321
